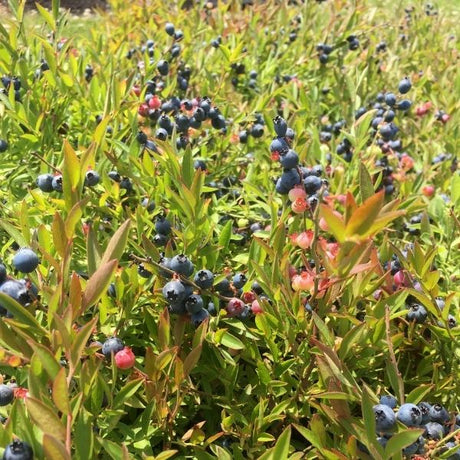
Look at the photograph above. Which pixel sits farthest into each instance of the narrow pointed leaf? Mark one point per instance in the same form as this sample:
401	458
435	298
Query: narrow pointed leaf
366	187
60	392
335	223
54	449
364	216
98	283
45	418
117	243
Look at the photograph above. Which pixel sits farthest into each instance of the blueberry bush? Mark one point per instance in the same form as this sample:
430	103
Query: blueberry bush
230	230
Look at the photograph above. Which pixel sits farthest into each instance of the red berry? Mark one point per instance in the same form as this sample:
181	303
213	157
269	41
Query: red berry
154	102
137	90
143	109
248	296
125	358
235	306
256	308
428	190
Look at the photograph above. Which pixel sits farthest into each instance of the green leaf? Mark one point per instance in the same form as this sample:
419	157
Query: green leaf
80	341
60	392
368	414
192	359
45	418
231	341
366	187
167	454
98	283
164	329
70	176
54	449
84	437
280	451
59	234
47	359
400	440
45	14
129	390
362	218
335	223
188	170
225	235
21	314
93	251
419	393
13	232
117	243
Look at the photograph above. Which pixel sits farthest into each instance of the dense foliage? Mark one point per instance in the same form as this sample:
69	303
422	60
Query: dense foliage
228	230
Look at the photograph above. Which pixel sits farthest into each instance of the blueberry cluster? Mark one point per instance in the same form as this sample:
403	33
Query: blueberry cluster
183	296
22	291
11	82
301	183
188	291
256	130
177	115
53	183
433	418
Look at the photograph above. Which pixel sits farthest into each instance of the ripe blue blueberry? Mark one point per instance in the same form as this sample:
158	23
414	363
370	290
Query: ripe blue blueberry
257	130
163	67
91	178
177	308
389	400
194	303
385	419
57	183
417	313
312	184
17	290
169	28
162	225
115	176
280	126
199	317
18	450
439	414
239	280
425	410
409	414
279	145
3	145
174	291
404	104
25	260
45	182
404	85
204	279
112	345
243	136
289	160
390	99
160	240
212	309
181	264
6	394
434	430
